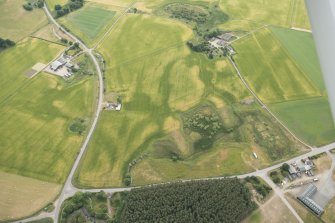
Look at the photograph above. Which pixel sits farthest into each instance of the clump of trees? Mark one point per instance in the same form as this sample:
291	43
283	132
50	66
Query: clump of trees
275	177
29	6
260	187
190	13
224	200
6	43
72	5
95	205
206	123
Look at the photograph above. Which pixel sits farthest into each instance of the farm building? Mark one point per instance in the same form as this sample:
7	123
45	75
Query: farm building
226	37
57	64
306	199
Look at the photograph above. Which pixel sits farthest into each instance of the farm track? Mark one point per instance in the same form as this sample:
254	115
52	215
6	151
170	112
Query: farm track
69	190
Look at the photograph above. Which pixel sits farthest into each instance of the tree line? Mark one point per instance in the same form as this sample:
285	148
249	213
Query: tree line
72	5
6	43
224	200
29	6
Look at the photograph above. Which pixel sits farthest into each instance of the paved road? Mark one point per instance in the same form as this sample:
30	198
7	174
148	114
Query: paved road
69	190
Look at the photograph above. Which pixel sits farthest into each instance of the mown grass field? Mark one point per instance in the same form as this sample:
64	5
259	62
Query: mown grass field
22	196
91	20
17	23
310	119
14	62
270	70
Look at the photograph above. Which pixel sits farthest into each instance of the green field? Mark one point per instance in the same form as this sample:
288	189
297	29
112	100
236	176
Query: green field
301	46
310	119
17	23
91	20
270	70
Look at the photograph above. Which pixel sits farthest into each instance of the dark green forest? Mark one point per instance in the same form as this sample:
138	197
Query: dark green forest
226	200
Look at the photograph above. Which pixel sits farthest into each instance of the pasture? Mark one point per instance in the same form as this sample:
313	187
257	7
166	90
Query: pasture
21	196
35	124
270	70
17	23
310	119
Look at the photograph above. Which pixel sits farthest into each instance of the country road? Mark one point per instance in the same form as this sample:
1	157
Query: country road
69	190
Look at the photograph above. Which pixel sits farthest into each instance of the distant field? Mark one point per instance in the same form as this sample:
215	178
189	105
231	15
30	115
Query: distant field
270	70
120	3
22	196
301	46
91	20
300	16
17	23
310	119
35	126
263	11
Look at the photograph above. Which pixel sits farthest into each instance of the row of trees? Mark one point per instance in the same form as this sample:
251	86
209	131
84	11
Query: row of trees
6	43
29	6
225	200
69	7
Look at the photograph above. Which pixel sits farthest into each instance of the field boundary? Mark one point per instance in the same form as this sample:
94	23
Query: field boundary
265	107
